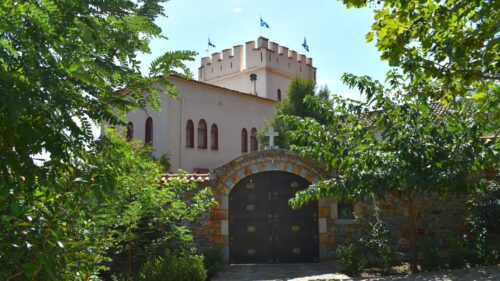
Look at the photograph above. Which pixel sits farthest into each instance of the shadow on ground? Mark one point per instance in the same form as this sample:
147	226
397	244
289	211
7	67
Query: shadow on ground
331	272
279	272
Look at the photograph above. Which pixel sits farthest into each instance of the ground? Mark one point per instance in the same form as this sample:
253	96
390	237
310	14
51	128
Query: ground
331	272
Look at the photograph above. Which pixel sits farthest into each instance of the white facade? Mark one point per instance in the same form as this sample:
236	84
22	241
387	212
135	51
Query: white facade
223	97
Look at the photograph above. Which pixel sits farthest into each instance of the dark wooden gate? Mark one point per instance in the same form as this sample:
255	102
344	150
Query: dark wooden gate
263	228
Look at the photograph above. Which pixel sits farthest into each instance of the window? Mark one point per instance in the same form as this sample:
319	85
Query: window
261	56
189	133
231	64
214	137
254	145
148	138
345	210
279	95
244	140
130	131
202	134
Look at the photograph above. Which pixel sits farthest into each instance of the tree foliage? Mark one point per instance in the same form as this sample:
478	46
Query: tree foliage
397	145
299	103
107	203
63	66
451	47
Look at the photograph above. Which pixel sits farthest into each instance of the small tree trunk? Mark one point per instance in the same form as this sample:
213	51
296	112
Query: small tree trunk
130	259
413	232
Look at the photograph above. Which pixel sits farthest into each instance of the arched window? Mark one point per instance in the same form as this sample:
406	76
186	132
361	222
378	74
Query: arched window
214	137
189	133
254	145
148	137
279	95
130	131
244	140
202	134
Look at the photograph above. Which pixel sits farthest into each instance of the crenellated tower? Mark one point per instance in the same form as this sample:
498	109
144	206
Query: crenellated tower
264	69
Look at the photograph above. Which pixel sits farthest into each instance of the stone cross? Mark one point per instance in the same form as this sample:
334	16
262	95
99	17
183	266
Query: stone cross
271	134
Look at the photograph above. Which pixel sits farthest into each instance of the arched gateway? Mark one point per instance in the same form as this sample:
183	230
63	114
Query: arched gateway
257	224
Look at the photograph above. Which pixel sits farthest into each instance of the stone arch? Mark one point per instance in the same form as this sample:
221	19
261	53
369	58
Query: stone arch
225	177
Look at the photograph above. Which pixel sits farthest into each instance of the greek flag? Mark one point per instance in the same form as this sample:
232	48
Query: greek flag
305	45
263	23
210	43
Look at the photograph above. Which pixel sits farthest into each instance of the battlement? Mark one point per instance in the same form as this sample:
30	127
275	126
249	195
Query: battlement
258	54
228	62
263	68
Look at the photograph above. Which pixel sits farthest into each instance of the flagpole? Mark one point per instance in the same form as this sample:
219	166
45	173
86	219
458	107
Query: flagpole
260	23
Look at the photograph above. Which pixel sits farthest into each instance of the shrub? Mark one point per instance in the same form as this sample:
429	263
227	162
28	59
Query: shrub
387	256
172	266
349	258
212	260
482	219
378	241
457	253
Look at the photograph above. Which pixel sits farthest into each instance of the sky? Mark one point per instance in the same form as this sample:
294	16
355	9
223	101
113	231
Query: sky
335	34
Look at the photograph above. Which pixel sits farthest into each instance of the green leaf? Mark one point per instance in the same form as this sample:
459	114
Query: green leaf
479	96
369	37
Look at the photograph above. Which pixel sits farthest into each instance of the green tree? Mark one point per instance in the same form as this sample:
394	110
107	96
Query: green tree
64	65
297	103
395	145
110	201
448	48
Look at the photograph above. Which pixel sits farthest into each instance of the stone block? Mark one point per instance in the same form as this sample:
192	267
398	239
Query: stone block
235	178
333	211
262	167
225	252
220	214
297	169
282	166
224	202
224	227
324	212
220	240
248	171
322	225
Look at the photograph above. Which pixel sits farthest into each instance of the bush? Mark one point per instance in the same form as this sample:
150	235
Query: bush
377	240
387	256
457	253
482	219
172	266
349	258
212	260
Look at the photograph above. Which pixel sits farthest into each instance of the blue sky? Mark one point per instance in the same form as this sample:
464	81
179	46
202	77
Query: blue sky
335	34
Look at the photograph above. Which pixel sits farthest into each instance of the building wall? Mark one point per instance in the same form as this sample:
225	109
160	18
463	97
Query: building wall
231	111
274	65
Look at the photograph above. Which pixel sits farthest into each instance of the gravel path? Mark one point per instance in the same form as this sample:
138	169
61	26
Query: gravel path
331	272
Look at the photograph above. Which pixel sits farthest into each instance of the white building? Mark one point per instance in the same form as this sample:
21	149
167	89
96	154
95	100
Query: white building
216	118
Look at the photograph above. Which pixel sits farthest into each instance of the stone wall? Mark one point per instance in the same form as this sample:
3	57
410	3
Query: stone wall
439	219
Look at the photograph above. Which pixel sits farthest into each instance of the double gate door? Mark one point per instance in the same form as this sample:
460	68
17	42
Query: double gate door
263	228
